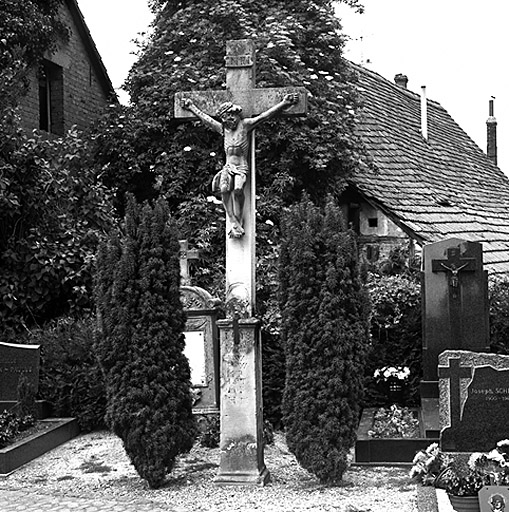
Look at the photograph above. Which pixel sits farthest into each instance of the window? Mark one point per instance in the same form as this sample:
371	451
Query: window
372	252
51	98
373	222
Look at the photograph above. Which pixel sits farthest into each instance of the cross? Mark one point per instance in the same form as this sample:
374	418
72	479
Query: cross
454	264
185	256
454	372
255	103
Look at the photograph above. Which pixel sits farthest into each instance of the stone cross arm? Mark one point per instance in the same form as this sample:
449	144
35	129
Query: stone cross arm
252	101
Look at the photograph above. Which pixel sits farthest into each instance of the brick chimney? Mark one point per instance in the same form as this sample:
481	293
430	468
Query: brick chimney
401	80
491	125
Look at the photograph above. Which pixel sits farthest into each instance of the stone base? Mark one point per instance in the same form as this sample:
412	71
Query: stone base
243	479
241	440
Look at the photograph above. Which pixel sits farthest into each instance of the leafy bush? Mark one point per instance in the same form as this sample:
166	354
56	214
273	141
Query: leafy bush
210	430
396	332
11	425
141	344
325	311
70	376
499	315
53	214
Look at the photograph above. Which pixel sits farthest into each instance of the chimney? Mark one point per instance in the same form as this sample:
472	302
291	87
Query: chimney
401	80
424	113
491	125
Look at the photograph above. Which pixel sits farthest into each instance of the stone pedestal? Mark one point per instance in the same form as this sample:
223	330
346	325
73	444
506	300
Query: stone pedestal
241	443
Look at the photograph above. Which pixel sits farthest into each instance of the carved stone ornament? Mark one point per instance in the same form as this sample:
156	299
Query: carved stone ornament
196	298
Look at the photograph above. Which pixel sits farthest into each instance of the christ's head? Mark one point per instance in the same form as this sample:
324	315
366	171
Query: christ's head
230	114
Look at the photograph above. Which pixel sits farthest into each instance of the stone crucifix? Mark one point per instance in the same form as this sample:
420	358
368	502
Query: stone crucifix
240	108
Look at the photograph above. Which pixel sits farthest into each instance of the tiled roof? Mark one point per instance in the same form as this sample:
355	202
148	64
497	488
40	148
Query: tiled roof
440	188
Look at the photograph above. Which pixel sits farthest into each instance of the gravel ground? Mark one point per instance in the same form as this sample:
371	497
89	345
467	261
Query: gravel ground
96	466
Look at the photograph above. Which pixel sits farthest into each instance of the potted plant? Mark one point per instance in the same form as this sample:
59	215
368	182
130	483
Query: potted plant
462	480
393	379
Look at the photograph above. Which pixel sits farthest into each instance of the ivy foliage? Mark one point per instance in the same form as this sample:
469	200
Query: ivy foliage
141	348
27	30
325	311
143	149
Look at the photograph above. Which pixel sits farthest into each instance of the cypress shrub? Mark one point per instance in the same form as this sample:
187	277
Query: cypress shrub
325	318
149	403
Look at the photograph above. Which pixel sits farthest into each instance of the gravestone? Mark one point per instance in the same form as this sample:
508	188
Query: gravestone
455	304
202	346
474	400
17	361
201	335
241	108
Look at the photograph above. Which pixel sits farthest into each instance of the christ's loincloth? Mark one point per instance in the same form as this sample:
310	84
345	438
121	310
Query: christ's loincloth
224	179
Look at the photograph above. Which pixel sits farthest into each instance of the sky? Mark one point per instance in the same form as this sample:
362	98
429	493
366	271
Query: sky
454	47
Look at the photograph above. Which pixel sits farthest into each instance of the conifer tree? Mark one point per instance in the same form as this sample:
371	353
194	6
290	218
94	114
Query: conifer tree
141	344
325	313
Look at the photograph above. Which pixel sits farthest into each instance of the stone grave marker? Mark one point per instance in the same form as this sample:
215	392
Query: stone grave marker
455	302
474	400
201	334
202	346
17	361
241	107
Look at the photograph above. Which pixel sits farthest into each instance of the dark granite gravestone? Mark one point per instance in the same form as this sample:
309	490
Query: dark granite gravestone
455	303
474	400
17	361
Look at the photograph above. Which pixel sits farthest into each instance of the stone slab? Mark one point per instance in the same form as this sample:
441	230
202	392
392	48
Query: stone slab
15	361
474	400
386	451
455	301
14	456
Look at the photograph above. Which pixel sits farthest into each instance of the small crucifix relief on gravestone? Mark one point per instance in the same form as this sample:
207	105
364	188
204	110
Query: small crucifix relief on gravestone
454	264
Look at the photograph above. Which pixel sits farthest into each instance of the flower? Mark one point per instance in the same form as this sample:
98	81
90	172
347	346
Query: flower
494	464
395	372
433	467
428	464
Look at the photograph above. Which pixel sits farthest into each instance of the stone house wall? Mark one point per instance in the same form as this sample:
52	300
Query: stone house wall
68	89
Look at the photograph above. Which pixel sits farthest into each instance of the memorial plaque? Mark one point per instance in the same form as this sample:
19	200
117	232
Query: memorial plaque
494	498
474	400
17	361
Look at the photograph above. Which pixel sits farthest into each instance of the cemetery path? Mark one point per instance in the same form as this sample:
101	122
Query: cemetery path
92	473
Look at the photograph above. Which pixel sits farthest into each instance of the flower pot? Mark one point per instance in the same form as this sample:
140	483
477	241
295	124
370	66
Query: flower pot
464	503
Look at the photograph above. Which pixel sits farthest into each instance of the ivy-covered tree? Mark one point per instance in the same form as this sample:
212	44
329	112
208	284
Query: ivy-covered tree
325	311
149	403
144	150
